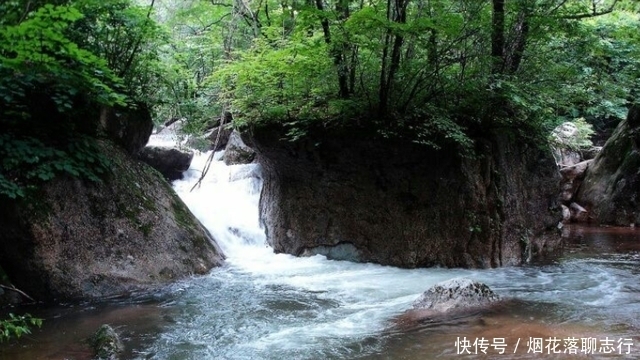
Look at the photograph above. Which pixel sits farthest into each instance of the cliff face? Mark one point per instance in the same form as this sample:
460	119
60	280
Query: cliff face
395	203
86	240
611	188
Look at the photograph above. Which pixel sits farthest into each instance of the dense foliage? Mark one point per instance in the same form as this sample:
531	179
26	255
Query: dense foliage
60	62
434	71
17	325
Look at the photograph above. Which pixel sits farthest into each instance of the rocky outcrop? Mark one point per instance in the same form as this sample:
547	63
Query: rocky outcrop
572	177
170	162
129	128
237	152
611	188
88	240
401	204
562	137
211	140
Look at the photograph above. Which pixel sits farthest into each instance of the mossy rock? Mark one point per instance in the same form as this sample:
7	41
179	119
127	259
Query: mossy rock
106	344
128	233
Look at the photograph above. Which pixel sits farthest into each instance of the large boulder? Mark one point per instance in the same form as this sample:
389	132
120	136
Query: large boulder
611	188
77	239
170	162
399	203
129	128
237	152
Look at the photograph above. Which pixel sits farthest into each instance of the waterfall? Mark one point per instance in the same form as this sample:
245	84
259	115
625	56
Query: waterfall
272	306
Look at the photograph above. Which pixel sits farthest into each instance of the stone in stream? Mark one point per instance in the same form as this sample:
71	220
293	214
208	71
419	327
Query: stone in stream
572	177
169	161
402	204
449	298
237	152
455	294
222	139
106	344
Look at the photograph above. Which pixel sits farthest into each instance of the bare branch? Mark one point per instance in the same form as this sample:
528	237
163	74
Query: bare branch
14	289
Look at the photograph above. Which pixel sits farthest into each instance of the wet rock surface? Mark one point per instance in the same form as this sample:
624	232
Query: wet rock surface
405	205
237	152
106	344
170	162
455	294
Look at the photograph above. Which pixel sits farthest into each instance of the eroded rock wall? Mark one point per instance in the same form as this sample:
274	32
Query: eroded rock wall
402	204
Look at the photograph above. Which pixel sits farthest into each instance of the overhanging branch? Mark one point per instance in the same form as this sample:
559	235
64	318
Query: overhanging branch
594	13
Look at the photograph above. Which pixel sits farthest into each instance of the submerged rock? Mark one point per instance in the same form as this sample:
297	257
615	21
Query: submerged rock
106	344
455	294
88	240
237	152
170	162
450	298
401	204
611	188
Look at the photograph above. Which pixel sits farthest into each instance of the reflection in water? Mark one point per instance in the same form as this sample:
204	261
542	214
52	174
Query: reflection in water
262	305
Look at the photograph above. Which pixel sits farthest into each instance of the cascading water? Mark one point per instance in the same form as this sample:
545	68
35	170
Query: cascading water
273	306
262	305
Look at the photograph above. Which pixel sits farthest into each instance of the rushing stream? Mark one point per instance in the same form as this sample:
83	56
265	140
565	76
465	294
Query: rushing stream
262	305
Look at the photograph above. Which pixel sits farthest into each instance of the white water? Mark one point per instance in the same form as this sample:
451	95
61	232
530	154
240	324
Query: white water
263	305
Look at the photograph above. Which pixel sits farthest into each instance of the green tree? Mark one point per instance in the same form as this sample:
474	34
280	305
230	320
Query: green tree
434	71
59	64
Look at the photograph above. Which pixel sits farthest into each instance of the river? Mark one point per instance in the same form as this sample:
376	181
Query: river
262	305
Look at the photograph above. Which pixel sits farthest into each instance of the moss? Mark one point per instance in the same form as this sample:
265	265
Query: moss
129	184
181	214
146	229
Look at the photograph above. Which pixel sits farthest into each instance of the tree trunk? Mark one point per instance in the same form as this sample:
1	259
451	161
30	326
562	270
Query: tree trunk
497	37
335	53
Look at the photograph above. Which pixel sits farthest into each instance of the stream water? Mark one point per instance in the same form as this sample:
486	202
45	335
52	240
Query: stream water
262	305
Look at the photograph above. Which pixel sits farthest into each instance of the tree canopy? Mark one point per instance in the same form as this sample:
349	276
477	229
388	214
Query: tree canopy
434	71
60	61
